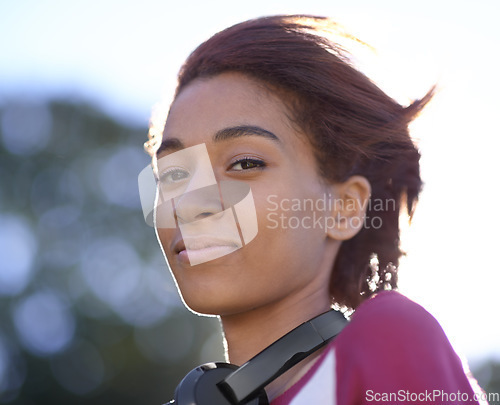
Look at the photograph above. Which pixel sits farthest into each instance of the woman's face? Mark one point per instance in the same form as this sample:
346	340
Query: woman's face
250	140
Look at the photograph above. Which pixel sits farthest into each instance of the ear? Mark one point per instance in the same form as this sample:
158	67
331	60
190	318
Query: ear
348	207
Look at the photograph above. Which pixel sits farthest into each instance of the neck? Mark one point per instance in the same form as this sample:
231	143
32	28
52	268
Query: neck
249	333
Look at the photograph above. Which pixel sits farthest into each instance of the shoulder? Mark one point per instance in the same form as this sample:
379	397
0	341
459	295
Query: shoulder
389	331
394	344
390	319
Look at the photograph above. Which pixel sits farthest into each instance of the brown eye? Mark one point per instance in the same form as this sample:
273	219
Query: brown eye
247	164
174	175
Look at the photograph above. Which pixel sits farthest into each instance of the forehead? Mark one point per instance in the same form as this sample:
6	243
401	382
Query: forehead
227	100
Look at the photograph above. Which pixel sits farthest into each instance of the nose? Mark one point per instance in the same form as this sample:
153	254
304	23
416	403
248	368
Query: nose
198	204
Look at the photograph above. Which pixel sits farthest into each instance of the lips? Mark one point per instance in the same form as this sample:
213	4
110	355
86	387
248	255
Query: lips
202	248
203	242
179	246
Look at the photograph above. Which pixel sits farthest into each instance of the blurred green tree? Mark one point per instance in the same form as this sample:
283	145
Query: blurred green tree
88	311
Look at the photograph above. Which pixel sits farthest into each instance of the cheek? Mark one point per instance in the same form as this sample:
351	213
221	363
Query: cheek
165	238
294	209
288	229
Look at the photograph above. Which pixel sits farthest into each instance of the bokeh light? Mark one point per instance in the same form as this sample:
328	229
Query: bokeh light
118	177
114	273
44	323
18	247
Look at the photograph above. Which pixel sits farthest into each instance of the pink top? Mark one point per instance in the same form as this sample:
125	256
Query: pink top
392	351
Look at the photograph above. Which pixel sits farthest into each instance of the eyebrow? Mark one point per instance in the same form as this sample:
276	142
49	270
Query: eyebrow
174	144
243	130
170	144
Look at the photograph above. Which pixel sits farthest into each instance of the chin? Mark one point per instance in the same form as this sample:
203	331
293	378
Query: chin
204	309
215	304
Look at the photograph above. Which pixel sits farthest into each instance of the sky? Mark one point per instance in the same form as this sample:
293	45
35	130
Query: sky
124	56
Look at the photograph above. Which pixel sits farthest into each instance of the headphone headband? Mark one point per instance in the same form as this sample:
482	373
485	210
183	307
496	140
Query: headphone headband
227	384
282	355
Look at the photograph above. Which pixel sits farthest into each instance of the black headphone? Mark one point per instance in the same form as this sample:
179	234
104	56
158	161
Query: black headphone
226	384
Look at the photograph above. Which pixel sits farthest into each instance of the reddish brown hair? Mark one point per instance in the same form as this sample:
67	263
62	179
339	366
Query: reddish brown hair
353	126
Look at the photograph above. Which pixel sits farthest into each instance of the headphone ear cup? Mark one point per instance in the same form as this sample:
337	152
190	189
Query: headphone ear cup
199	386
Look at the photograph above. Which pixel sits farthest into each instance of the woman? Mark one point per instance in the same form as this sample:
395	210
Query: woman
328	164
